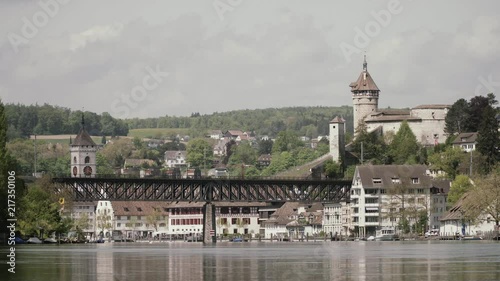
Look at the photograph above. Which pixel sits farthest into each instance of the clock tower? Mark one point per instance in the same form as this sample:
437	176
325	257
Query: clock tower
83	155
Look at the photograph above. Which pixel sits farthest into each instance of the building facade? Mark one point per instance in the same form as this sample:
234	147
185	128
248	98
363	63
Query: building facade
426	121
382	196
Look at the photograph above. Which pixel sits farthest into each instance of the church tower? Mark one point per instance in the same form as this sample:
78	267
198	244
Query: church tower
364	96
337	139
83	155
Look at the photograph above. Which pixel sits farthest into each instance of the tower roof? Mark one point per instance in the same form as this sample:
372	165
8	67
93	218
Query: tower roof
83	138
364	82
337	120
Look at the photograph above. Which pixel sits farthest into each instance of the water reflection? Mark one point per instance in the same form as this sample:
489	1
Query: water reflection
260	261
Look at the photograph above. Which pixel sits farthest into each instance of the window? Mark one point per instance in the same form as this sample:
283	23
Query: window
420	200
139	209
415	180
87	160
395	180
383	191
74	159
234	221
377	180
420	191
118	225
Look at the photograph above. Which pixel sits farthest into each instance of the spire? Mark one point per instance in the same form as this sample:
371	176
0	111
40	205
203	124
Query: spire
365	65
83	121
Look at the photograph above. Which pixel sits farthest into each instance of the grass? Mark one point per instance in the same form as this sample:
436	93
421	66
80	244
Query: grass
157	132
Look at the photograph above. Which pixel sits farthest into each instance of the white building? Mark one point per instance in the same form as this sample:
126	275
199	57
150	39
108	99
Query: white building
83	154
374	203
334	219
140	219
104	222
238	217
466	141
454	222
175	159
82	211
426	121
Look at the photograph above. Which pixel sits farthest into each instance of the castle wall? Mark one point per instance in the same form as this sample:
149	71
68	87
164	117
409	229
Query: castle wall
363	104
427	132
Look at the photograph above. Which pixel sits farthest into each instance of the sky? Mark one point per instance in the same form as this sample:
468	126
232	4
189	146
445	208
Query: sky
154	58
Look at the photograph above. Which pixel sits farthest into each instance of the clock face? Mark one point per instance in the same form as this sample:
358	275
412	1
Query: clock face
87	170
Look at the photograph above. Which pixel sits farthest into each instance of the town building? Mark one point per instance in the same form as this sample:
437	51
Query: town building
238	218
83	154
466	141
383	195
175	159
426	121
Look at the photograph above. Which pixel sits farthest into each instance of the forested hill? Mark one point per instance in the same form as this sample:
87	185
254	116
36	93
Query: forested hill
306	121
46	119
26	120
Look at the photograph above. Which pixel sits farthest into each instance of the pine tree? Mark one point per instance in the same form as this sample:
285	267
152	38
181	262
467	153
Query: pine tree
404	148
488	141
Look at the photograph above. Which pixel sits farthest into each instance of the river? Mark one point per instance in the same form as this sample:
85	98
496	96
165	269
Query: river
365	260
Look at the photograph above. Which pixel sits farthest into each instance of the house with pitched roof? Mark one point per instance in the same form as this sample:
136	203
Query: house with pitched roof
466	141
383	195
175	158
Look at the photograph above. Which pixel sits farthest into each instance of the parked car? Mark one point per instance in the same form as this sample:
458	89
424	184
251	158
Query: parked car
19	240
50	240
34	240
432	232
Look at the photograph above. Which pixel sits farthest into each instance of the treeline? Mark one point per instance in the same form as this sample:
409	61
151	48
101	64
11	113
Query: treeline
26	120
305	121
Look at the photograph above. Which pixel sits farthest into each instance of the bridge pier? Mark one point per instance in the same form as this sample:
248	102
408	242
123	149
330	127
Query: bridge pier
209	223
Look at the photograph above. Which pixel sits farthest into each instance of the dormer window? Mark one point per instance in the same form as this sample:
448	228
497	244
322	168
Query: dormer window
395	180
377	181
126	209
415	180
139	209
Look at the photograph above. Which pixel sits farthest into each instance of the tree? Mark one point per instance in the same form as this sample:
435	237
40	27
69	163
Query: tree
459	187
80	224
116	152
286	141
39	213
333	170
265	146
243	154
154	218
3	168
477	105
448	161
484	197
404	147
103	221
456	118
103	166
488	141
199	153
373	146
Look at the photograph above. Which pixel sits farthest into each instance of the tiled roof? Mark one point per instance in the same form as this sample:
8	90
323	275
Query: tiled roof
83	138
138	208
432	106
138	162
364	82
387	172
265	157
172	154
465	138
337	120
392	118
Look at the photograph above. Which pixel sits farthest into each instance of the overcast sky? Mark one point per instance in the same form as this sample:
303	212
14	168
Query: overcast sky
161	57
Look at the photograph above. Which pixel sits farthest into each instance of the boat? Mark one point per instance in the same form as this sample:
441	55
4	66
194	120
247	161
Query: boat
386	234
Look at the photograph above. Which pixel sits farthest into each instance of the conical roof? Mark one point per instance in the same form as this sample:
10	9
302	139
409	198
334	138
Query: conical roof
337	120
83	138
364	82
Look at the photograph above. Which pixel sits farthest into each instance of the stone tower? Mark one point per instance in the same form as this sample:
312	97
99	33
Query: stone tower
337	139
364	96
83	155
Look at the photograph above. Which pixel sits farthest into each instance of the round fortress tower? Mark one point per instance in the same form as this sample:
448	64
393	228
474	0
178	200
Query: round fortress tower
364	96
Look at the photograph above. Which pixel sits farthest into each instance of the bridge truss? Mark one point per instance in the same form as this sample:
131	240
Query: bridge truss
204	190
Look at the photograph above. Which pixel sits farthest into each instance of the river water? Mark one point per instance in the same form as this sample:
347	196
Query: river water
365	260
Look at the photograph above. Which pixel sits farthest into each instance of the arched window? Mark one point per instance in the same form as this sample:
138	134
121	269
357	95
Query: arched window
74	159
87	160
